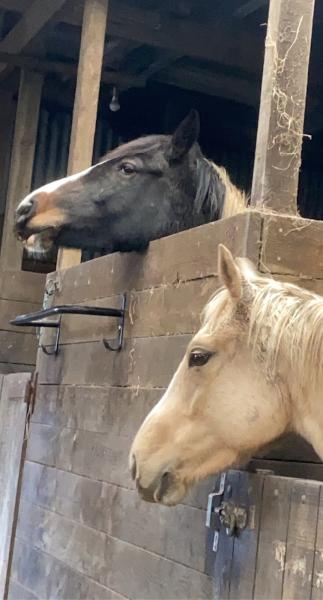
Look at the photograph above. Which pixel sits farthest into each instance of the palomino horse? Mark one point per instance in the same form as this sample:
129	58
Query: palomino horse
252	372
143	190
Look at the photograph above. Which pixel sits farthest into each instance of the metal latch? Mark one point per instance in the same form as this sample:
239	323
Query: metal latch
226	513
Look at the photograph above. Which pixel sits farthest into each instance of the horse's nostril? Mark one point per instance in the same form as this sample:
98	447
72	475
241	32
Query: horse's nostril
25	208
133	467
165	482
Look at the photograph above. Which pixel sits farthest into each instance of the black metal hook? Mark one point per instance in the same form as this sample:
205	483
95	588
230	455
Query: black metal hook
35	320
119	341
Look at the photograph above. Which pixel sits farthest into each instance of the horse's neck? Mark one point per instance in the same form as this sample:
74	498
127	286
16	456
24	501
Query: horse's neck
235	200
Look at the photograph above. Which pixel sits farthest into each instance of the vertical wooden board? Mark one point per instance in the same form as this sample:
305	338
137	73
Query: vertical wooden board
86	99
246	544
12	428
272	539
317	580
21	166
301	540
282	105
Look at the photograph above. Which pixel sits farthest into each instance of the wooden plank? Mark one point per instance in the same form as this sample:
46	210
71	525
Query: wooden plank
21	167
32	568
19	592
245	549
32	21
152	313
290	447
317	580
272	539
22	286
106	559
6	368
9	309
7	119
35	63
145	362
177	535
282	105
106	410
248	8
282	239
190	254
299	469
18	347
12	424
86	100
301	540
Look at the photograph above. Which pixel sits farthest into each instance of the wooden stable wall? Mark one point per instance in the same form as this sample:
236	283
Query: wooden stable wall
83	532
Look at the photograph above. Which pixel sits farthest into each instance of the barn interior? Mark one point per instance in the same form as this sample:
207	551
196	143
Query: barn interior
161	59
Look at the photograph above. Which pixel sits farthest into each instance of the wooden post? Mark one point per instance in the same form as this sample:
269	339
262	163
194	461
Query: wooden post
22	159
282	105
86	100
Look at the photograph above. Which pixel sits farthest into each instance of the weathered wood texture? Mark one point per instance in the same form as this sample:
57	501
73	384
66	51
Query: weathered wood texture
81	516
13	410
86	100
278	555
20	292
282	105
22	158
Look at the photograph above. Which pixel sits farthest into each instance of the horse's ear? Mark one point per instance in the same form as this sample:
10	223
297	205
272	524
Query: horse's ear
184	137
229	273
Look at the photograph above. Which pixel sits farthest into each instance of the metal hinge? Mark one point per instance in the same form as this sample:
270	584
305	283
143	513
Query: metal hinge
232	517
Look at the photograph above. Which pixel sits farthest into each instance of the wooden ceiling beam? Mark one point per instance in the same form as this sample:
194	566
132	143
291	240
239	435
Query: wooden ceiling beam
181	36
249	8
29	25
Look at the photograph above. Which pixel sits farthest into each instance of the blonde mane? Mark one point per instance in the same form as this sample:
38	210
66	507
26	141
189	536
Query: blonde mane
235	200
285	323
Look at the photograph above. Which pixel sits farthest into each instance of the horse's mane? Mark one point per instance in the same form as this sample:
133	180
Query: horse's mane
215	191
285	323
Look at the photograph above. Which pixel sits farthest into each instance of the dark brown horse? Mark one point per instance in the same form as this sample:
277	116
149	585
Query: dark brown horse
146	189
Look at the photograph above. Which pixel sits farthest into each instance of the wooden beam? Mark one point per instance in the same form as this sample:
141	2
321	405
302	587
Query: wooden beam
22	159
249	8
210	41
31	22
211	83
86	100
282	106
121	80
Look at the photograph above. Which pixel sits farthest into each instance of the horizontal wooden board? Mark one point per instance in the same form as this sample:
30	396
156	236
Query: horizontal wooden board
285	468
292	246
18	347
23	286
19	592
145	362
123	567
114	411
177	534
290	447
6	368
9	309
185	256
167	310
48	577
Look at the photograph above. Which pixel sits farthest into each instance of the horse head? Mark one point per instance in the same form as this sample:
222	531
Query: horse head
222	403
142	190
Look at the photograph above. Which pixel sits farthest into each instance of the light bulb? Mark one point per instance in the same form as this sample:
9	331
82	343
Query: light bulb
114	104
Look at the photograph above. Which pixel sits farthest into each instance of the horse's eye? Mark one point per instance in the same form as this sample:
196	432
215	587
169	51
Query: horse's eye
127	168
199	358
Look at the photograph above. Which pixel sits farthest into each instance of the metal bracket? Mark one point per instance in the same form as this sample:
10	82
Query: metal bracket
36	319
228	514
